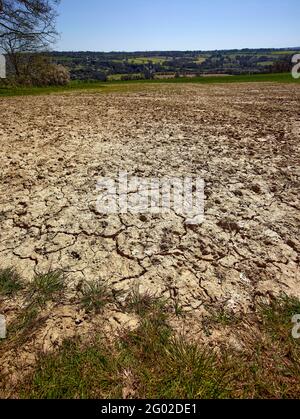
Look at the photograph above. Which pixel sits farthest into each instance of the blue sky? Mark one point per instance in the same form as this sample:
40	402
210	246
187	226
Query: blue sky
144	25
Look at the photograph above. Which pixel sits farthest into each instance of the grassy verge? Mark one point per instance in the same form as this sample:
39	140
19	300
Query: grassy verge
254	78
124	86
108	87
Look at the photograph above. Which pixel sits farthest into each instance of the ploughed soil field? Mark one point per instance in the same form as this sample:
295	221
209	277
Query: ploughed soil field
242	140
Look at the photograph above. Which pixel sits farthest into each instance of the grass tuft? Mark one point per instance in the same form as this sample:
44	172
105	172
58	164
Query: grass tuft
10	282
46	287
95	296
144	303
223	317
192	372
76	372
271	367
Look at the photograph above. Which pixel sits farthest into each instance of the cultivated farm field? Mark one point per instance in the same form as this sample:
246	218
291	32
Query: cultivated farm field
242	139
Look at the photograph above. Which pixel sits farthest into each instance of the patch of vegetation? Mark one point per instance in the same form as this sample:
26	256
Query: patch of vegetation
271	369
253	78
159	365
10	282
124	77
46	287
178	309
95	296
144	303
23	327
146	60
76	372
191	372
151	363
139	85
223	317
278	314
165	367
100	66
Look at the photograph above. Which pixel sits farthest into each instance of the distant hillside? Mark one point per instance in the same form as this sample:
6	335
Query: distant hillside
159	64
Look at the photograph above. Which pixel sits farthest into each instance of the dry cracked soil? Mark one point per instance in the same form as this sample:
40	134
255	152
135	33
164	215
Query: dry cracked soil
243	140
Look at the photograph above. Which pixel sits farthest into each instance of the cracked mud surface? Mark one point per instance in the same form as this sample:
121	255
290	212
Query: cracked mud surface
243	140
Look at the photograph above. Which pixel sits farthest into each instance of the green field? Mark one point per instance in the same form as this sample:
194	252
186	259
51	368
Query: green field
265	63
119	86
287	52
146	60
118	77
200	60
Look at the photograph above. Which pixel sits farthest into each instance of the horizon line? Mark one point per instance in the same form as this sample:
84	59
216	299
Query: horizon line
179	50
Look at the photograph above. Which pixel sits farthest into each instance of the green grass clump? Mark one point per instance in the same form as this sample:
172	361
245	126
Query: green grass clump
223	317
166	367
95	296
271	367
190	372
277	316
24	326
76	372
143	303
46	287
10	282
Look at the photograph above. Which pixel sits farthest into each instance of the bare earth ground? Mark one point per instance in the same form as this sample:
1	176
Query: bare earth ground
243	140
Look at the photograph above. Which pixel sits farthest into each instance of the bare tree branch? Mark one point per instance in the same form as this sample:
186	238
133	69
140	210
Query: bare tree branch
30	19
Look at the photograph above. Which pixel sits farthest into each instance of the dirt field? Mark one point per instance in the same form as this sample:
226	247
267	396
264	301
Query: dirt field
243	140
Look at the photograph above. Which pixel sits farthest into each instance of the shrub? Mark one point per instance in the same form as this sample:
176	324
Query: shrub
41	72
38	70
